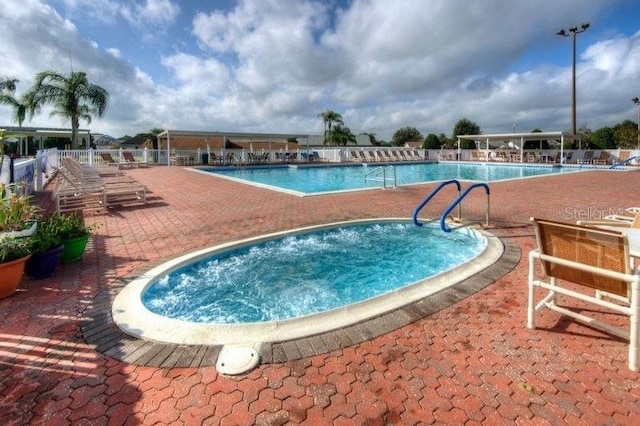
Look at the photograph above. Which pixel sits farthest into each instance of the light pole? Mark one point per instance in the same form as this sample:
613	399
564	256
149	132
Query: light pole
514	127
573	31
637	102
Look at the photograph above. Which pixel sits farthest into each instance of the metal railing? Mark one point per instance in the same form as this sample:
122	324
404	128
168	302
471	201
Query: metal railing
455	203
379	174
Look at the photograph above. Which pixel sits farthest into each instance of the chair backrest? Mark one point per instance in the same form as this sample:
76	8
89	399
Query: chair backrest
107	157
624	155
595	247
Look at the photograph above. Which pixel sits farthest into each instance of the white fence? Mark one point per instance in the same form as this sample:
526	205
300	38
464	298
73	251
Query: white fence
34	173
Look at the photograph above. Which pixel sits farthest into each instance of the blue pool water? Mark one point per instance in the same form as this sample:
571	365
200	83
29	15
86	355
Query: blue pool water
310	180
307	273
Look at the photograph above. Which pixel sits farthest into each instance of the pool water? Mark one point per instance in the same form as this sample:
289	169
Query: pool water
306	273
311	180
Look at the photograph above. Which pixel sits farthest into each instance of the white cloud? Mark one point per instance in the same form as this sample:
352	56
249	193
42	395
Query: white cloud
151	13
115	52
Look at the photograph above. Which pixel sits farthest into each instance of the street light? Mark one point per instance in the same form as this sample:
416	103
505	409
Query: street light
514	127
573	31
637	102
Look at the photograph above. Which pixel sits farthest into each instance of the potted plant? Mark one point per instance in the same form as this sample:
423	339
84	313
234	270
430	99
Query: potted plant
46	248
17	215
74	235
14	253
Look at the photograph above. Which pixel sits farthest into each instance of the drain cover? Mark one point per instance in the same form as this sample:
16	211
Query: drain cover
236	360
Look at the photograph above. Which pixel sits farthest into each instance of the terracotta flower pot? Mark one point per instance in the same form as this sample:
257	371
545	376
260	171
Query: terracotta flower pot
11	276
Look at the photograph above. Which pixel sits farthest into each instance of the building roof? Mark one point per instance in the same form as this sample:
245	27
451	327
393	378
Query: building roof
236	135
42	131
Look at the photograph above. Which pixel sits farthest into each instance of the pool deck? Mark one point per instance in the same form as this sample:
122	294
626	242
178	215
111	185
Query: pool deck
469	360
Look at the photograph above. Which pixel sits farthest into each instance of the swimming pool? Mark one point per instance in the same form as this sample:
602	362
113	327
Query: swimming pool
361	278
322	179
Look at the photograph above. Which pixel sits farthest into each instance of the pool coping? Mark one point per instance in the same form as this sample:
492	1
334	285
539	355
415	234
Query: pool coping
102	334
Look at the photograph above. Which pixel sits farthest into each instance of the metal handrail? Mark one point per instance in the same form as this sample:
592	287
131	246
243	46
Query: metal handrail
431	195
381	170
625	161
457	201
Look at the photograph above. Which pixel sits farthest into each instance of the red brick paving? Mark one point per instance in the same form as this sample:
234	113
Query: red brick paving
474	362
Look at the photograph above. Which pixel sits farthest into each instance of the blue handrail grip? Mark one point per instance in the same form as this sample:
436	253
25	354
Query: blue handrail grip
457	201
430	196
624	162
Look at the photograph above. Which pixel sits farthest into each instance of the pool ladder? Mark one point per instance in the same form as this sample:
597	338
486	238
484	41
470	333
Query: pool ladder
455	203
379	174
628	160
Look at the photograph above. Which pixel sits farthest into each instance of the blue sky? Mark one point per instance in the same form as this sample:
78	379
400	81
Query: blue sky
273	65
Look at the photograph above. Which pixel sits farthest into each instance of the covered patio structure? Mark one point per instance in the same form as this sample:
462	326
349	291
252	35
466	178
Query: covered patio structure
40	134
213	138
517	140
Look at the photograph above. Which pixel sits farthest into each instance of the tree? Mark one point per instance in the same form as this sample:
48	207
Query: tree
445	142
604	138
585	136
150	137
431	142
465	127
404	135
7	90
72	96
328	118
341	136
626	134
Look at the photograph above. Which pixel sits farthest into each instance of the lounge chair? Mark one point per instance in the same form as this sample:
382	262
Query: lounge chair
587	158
83	188
595	259
567	157
361	156
108	159
615	221
603	158
623	156
129	158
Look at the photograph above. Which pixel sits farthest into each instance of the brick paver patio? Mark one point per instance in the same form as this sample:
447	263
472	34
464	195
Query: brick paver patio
471	362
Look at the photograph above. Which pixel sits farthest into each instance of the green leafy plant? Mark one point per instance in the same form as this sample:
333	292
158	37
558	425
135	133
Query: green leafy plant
70	226
12	248
16	211
47	235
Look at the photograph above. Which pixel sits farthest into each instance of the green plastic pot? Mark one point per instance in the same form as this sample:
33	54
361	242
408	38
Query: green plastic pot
74	249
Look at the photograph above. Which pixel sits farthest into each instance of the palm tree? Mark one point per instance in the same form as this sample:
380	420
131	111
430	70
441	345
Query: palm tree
329	117
341	136
67	94
7	89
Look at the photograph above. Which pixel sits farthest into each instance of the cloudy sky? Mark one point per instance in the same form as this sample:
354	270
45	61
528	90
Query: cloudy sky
273	65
